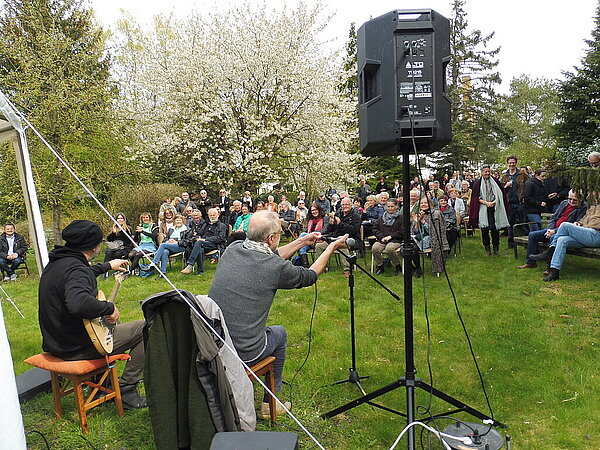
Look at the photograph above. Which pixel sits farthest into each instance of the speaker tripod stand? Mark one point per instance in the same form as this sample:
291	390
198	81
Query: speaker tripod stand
409	381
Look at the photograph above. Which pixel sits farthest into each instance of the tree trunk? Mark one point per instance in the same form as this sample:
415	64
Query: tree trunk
56	221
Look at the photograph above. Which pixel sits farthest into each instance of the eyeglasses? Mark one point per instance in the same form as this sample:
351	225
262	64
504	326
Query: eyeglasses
595	163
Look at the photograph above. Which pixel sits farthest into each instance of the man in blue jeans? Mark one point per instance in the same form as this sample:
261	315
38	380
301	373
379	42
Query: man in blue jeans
210	236
568	210
12	251
579	234
246	281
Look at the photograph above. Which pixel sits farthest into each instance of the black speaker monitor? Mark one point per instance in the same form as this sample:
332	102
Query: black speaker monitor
402	58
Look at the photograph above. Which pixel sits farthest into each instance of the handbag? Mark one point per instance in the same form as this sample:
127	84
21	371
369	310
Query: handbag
115	245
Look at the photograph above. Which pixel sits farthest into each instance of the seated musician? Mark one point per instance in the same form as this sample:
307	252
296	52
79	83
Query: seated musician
67	294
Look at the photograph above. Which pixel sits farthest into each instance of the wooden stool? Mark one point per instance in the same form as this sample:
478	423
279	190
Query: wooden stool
79	373
265	367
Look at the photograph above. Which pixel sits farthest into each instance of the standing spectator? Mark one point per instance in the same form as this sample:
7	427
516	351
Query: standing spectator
388	232
223	205
167	204
455	182
465	193
302	198
396	190
12	251
488	209
382	186
513	181
364	190
204	204
248	200
558	190
536	198
594	160
186	201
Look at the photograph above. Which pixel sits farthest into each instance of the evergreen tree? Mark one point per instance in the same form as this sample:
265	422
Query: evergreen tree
580	97
55	68
471	90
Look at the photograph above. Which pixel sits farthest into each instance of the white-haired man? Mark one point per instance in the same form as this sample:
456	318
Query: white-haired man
246	281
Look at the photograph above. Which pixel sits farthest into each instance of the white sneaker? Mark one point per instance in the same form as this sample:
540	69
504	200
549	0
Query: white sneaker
6	278
13	277
265	411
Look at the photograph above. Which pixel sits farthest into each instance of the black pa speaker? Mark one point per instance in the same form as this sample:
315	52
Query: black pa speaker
402	58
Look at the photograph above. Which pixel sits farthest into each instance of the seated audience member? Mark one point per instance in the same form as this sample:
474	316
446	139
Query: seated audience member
357	203
465	193
313	224
536	198
203	203
234	212
371	213
594	160
271	205
388	231
211	236
167	204
287	217
396	190
414	195
301	212
456	202
240	228
248	200
246	281
585	233
223	205
345	222
335	203
169	246
260	205
429	232
12	251
569	210
146	238
165	224
450	219
67	294
382	198
301	198
324	203
118	244
187	216
186	202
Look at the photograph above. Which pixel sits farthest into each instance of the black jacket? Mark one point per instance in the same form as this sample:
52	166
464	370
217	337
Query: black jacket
350	223
535	194
67	294
20	246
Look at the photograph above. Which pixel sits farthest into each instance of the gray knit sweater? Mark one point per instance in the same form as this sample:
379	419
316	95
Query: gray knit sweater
244	287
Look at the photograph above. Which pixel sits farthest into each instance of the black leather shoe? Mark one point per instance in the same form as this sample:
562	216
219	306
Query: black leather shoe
379	270
399	269
553	274
544	256
131	397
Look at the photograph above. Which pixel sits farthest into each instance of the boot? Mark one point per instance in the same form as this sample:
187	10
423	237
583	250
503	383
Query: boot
379	270
488	250
304	259
553	274
399	269
131	397
544	256
496	252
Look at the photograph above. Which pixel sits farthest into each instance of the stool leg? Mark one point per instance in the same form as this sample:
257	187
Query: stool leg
114	378
270	380
79	401
56	393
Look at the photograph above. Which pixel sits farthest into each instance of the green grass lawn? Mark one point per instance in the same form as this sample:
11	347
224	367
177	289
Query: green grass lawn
536	344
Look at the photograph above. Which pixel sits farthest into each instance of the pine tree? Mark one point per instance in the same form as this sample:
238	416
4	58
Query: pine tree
471	90
580	97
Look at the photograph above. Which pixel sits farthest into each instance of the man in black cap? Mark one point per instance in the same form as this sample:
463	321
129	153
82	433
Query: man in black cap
67	294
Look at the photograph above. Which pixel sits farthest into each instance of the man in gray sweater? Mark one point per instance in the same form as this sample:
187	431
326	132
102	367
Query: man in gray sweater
246	281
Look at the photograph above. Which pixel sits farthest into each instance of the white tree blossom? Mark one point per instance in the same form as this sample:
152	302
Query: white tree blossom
240	98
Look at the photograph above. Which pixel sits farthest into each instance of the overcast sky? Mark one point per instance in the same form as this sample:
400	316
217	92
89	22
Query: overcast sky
540	38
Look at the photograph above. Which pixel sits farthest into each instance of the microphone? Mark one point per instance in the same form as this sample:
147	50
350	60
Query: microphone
350	242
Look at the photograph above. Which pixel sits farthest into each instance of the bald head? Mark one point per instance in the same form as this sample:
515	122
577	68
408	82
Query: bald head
262	224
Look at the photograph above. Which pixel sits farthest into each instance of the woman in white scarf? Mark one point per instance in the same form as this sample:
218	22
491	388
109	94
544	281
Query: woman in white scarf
492	211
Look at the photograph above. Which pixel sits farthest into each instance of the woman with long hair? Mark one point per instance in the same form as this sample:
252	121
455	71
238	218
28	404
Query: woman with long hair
118	244
313	224
169	246
146	237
